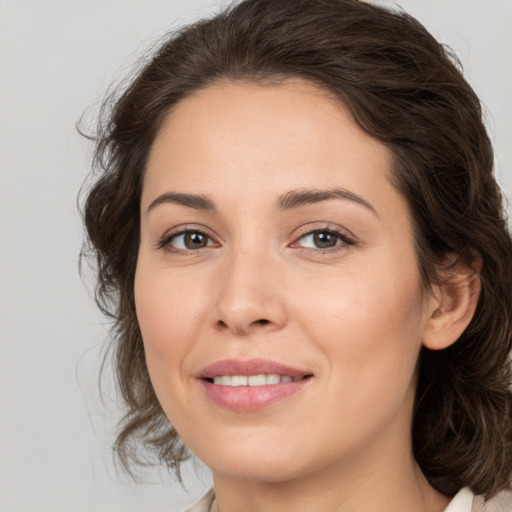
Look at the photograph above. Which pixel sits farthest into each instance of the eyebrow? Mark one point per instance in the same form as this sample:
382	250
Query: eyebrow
287	201
198	202
296	198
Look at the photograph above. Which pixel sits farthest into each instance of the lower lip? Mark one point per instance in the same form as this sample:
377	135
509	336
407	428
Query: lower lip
251	398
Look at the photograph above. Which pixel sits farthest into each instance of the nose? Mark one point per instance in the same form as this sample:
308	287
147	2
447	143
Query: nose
250	298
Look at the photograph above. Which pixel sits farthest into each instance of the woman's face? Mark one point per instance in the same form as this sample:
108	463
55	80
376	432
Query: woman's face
277	289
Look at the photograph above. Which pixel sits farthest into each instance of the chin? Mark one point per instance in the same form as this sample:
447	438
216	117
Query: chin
262	471
256	461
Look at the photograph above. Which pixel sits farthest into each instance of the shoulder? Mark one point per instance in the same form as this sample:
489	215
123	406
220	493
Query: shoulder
205	504
501	502
466	501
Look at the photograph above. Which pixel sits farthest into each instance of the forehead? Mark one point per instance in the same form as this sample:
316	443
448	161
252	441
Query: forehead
254	138
228	117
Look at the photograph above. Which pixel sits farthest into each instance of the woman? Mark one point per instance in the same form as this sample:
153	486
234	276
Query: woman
302	244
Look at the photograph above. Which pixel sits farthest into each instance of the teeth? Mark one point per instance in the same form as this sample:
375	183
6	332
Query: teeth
273	378
256	380
252	380
239	380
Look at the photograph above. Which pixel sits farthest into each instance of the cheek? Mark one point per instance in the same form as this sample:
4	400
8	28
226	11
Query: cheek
361	299
169	316
370	339
368	324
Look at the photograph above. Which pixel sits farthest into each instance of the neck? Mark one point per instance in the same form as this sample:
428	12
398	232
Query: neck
348	491
382	475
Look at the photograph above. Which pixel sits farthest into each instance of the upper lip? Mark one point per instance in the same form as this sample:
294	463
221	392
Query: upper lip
249	367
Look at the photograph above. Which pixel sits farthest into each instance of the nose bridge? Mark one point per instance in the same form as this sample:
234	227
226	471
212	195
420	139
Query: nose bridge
248	295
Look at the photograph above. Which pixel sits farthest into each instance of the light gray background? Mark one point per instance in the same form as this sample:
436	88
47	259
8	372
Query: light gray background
57	57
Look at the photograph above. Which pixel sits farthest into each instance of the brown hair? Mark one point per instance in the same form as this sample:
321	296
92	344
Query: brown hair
404	89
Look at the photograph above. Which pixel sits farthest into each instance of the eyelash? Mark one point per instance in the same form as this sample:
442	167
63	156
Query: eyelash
343	241
165	242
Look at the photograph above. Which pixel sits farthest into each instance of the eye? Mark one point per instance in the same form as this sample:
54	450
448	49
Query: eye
190	240
323	239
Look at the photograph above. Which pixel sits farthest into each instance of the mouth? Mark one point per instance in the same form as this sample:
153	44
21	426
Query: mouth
253	380
245	386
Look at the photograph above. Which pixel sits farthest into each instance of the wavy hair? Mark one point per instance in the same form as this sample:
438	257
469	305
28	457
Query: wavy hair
405	90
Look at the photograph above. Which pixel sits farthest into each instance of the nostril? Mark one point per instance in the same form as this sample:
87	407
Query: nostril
222	324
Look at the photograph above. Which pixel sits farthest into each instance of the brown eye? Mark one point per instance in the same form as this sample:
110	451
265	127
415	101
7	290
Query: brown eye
195	240
325	239
190	241
322	239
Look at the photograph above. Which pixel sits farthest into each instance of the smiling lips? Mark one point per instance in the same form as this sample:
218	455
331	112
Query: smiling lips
251	380
250	385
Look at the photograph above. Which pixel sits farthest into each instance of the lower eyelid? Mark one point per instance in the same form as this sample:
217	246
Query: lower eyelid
165	242
343	239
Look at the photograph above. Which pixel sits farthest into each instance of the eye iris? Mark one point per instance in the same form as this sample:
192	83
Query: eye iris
324	239
195	240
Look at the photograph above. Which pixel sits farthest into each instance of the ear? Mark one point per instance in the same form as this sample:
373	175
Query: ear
453	304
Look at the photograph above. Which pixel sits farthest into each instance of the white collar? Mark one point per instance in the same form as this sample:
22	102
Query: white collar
462	501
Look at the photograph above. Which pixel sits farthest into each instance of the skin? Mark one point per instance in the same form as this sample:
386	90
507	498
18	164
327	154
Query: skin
354	315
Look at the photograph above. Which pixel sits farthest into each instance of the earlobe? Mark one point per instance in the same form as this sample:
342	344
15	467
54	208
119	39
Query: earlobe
453	305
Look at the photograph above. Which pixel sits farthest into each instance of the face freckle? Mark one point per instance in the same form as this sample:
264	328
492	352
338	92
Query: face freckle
307	267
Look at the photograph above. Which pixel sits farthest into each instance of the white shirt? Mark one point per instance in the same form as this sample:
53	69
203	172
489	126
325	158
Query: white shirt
463	501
